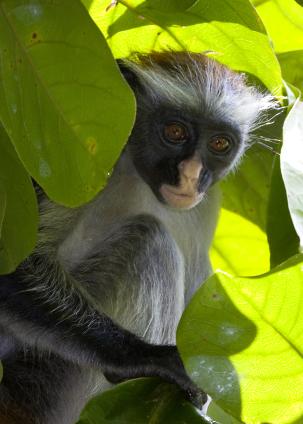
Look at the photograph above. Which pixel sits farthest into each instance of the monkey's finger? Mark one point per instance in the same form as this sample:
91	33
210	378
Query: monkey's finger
197	397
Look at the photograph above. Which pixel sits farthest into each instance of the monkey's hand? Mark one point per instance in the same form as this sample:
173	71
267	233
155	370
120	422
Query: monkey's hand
167	364
171	368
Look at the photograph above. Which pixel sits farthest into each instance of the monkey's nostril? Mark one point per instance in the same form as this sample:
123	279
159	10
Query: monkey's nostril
205	181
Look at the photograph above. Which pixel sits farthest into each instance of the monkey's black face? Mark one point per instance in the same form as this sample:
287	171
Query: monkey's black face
180	155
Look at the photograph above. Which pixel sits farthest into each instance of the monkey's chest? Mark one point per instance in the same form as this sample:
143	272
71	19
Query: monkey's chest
193	242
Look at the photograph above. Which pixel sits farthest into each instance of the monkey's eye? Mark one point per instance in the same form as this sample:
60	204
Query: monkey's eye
175	132
219	144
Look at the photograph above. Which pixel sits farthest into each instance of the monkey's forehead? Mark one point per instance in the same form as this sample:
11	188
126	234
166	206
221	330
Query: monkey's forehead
200	83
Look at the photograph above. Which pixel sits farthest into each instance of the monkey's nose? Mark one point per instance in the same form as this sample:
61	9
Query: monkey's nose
191	168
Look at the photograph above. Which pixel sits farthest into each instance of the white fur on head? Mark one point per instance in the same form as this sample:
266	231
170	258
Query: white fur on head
198	82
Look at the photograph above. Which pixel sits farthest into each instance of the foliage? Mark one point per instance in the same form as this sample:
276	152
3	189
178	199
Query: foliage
61	95
292	165
18	212
292	67
242	339
159	403
284	22
229	28
69	76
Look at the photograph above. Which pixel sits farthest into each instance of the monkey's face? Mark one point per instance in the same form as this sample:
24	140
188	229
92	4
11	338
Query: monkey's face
180	155
194	116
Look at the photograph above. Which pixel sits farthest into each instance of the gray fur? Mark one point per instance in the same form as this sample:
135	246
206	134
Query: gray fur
146	297
140	201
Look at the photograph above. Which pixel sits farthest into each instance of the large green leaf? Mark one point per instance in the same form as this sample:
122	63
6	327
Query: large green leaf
292	165
18	202
246	191
214	412
242	341
2	205
282	237
240	246
283	20
63	102
292	67
228	27
141	401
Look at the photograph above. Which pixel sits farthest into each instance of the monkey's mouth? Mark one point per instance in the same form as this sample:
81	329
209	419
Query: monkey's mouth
179	198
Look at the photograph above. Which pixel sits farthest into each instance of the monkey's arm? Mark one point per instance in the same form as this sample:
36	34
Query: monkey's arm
42	305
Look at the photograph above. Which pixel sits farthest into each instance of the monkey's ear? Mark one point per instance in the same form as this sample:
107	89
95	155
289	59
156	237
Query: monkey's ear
128	74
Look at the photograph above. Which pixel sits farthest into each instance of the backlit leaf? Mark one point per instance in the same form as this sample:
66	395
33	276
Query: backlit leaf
230	28
292	165
283	20
242	341
63	103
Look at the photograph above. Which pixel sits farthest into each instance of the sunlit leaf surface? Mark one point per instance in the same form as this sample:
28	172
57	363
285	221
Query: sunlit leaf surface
240	247
242	341
283	20
230	28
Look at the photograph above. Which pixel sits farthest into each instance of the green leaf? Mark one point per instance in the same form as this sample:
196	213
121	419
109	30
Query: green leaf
2	206
20	220
247	190
292	67
64	104
242	341
214	412
283	20
282	237
240	246
141	401
230	28
258	2
292	165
